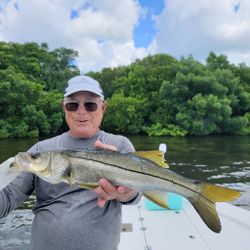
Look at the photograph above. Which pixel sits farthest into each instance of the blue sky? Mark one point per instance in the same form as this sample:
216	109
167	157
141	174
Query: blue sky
109	33
146	29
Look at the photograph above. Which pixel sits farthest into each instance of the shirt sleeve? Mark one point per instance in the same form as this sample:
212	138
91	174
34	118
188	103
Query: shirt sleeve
17	191
126	146
134	200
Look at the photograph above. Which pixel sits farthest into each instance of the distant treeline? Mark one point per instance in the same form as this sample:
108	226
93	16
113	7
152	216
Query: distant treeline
158	95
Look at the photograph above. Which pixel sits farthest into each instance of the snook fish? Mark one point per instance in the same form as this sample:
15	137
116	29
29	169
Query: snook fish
133	170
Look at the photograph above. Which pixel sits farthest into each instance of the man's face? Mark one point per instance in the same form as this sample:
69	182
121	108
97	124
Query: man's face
83	123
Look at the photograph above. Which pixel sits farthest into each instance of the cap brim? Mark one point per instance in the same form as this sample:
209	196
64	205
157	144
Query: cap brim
80	90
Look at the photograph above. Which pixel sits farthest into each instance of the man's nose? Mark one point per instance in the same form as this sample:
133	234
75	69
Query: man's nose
81	109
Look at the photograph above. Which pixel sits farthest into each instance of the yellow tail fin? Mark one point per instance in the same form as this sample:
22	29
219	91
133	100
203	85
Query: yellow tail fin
220	194
205	203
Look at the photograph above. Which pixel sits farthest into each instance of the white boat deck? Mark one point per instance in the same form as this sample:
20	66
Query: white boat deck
168	229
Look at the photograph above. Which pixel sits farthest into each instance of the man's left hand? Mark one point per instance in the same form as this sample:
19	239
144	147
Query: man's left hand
106	191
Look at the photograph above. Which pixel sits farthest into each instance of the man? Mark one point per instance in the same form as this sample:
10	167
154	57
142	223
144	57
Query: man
68	217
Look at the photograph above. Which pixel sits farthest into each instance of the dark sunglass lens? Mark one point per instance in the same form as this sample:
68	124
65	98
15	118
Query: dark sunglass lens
90	106
71	106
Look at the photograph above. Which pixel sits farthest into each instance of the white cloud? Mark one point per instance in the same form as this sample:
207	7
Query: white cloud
39	21
102	31
198	27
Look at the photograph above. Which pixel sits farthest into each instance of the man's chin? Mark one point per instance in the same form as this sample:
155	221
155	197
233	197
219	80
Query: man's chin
82	132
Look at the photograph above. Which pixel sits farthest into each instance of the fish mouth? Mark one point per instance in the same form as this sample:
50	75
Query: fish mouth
24	161
20	163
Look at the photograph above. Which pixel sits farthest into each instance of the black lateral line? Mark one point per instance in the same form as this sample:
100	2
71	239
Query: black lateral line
137	172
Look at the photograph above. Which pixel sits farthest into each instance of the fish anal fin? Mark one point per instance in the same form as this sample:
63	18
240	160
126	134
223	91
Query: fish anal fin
155	156
160	198
88	185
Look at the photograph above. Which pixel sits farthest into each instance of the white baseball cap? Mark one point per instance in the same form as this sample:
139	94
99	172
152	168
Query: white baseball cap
83	83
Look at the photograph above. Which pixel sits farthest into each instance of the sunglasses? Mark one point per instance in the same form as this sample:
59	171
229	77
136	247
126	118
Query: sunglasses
90	106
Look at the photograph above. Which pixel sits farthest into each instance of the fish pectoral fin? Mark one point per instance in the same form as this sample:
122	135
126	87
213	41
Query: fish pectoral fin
205	203
160	198
88	185
155	156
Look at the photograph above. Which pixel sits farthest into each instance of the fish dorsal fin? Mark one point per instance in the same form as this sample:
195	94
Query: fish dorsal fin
155	156
160	198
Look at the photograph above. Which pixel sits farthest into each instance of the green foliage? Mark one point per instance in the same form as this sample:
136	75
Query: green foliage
158	130
207	114
124	114
157	95
237	126
246	129
20	129
51	104
38	64
203	100
4	129
217	62
31	82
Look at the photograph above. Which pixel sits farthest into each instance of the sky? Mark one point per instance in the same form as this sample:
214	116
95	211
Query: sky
110	33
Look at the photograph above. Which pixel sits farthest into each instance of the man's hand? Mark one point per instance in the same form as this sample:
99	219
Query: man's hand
99	144
106	191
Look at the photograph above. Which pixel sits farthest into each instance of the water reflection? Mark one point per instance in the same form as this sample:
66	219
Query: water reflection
15	230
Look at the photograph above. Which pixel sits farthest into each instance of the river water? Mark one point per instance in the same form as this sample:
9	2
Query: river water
221	160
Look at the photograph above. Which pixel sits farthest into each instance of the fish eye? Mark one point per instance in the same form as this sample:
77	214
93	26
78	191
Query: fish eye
35	155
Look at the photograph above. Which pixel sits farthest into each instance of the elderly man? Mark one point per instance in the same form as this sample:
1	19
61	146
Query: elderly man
68	217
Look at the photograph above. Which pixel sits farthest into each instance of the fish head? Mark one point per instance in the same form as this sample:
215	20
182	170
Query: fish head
34	163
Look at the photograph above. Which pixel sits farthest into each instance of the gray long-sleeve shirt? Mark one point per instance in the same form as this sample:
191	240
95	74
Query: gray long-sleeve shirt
67	217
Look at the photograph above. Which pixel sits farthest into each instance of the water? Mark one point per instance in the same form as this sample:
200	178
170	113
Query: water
220	160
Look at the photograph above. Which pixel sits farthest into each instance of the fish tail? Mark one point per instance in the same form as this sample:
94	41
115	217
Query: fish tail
205	203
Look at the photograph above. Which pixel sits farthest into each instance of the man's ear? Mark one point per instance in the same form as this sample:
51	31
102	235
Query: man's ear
63	107
104	105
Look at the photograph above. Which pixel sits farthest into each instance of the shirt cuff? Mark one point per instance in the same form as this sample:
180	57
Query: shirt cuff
133	200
